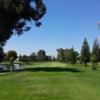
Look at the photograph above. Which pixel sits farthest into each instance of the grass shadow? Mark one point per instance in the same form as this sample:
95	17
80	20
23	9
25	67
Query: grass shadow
50	69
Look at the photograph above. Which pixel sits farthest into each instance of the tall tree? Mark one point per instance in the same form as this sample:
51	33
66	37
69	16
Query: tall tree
95	53
85	52
41	55
14	15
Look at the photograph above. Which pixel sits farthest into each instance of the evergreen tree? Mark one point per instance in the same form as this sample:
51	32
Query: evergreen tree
85	52
95	53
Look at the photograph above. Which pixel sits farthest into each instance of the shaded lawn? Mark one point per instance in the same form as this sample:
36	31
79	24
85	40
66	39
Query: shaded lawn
53	85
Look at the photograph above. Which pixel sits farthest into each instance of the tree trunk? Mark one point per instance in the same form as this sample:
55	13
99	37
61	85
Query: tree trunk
11	68
85	64
94	66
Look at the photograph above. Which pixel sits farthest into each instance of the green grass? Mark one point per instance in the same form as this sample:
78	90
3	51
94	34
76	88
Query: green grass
44	85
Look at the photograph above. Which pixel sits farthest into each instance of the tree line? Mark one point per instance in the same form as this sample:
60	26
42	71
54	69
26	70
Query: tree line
84	57
68	55
40	56
12	55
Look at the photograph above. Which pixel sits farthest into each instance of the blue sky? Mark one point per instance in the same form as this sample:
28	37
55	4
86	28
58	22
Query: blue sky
66	24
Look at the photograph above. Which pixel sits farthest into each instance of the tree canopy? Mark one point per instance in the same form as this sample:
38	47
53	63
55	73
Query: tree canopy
14	15
11	55
60	55
67	55
41	55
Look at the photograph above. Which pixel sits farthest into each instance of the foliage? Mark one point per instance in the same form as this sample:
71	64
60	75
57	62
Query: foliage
11	55
94	60
14	15
85	52
1	54
33	57
25	59
60	55
41	55
67	55
70	56
73	56
49	58
95	53
95	50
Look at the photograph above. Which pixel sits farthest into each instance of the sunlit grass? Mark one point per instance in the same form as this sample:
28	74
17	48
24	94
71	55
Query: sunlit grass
42	85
